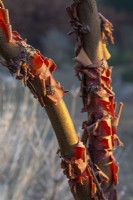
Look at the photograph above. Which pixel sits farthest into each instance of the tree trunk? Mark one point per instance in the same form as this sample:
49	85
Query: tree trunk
98	98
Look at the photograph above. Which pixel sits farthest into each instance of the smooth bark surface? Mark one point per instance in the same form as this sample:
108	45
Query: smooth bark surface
92	44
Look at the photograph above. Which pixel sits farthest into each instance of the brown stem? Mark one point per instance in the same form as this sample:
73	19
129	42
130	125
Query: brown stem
95	49
63	126
92	44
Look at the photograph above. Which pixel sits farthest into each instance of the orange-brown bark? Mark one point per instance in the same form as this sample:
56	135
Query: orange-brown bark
92	30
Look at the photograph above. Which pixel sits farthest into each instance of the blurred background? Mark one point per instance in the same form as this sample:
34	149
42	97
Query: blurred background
29	166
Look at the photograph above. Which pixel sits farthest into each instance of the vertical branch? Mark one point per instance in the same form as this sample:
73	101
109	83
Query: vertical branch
94	74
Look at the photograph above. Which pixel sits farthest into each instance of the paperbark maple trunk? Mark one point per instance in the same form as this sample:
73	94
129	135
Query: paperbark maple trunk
96	51
94	74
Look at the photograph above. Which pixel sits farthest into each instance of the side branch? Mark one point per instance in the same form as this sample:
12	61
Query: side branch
35	71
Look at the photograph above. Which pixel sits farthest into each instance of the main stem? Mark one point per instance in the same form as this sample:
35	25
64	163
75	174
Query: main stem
96	51
98	97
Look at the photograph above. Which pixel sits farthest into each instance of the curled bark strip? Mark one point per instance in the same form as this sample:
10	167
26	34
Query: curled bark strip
107	29
80	169
77	169
1	4
100	130
77	27
3	22
33	69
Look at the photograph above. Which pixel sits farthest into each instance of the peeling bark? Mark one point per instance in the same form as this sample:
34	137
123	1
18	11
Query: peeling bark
94	75
92	175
